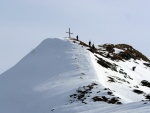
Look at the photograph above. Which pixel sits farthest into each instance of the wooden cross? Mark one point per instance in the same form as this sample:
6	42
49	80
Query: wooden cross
69	33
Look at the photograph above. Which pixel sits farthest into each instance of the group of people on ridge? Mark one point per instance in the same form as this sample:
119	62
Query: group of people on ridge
93	47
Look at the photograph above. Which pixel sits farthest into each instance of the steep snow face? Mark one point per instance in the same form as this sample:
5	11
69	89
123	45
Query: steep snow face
62	76
123	70
45	78
122	81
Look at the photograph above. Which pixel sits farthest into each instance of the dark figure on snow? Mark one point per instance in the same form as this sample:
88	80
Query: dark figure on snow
90	43
77	37
133	68
93	47
108	55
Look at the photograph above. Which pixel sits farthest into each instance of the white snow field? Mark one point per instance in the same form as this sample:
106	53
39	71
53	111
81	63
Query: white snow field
45	80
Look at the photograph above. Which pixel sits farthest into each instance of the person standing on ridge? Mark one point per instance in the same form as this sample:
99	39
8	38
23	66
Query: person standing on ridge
93	47
90	43
77	37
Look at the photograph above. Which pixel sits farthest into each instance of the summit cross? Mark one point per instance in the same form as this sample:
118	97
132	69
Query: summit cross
69	33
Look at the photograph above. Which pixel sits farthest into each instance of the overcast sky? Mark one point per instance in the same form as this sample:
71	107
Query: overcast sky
25	23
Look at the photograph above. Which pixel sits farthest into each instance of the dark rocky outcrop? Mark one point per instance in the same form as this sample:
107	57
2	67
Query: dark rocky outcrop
145	83
138	91
147	64
113	100
127	52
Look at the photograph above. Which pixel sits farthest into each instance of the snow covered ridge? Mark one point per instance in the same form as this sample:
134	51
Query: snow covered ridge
63	76
123	70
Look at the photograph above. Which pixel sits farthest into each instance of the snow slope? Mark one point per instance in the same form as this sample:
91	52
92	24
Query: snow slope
45	77
45	80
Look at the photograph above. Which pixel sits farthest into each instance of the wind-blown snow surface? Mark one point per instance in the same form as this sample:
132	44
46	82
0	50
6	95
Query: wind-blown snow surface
43	81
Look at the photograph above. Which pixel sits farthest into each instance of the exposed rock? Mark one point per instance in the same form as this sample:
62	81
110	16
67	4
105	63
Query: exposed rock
111	79
138	91
147	64
147	97
113	100
145	83
127	52
82	93
106	64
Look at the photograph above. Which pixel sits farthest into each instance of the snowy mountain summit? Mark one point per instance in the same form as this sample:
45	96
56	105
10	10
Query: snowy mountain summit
66	75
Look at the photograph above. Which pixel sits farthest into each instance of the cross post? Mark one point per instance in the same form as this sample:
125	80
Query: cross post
69	33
